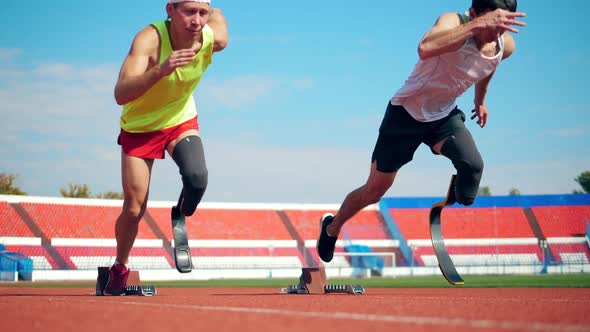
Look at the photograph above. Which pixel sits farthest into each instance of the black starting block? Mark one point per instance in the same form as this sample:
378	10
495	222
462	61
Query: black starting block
348	289
134	287
141	290
314	281
328	289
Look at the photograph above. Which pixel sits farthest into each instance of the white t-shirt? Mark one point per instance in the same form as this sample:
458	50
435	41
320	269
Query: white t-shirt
431	91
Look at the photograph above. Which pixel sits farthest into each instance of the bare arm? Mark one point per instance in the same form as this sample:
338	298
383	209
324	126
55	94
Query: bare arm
481	90
448	34
481	110
218	24
136	76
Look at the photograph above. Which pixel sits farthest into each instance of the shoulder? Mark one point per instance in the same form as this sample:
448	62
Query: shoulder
509	45
147	39
449	20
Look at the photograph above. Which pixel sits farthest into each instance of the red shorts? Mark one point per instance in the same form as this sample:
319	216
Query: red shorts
152	145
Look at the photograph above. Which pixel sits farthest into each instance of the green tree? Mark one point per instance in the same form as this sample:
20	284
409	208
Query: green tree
584	181
7	185
110	195
76	190
484	191
514	192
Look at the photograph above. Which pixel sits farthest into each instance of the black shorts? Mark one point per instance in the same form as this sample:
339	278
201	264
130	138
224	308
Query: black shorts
400	135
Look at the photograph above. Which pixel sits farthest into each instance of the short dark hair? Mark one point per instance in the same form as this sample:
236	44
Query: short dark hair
481	6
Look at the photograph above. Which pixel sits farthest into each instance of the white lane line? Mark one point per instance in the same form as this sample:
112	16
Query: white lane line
488	299
416	320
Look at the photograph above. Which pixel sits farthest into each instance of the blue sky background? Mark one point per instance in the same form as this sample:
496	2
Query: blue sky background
289	112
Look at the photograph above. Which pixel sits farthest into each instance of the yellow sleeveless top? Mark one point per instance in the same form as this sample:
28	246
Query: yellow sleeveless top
170	101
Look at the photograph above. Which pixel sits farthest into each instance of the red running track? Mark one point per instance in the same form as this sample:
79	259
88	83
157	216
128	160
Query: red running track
263	309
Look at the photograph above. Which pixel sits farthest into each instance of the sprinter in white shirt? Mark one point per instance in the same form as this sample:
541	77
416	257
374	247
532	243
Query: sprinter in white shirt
461	50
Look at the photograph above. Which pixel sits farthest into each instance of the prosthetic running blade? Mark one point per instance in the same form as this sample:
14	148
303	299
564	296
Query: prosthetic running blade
182	252
444	260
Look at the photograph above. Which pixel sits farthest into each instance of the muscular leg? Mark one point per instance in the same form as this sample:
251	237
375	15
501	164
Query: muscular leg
370	193
136	174
399	137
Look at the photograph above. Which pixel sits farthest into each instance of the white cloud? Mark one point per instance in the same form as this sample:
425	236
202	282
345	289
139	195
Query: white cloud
247	90
303	84
239	91
241	170
8	54
266	39
8	72
59	100
244	171
60	123
544	176
568	132
57	71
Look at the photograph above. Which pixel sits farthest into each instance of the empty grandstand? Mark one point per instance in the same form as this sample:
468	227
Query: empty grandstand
70	238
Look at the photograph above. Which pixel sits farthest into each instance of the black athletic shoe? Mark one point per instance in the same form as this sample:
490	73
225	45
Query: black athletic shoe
326	244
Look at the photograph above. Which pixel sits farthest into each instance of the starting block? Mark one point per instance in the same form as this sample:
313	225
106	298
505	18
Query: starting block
141	290
314	281
134	286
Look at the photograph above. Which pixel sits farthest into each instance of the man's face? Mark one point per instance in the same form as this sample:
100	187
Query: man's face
189	17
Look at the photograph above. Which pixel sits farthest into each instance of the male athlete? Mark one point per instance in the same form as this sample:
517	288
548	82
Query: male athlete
461	50
157	79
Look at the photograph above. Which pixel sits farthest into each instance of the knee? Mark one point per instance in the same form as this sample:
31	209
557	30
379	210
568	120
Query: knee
374	199
477	167
464	200
468	179
133	212
196	180
194	185
472	169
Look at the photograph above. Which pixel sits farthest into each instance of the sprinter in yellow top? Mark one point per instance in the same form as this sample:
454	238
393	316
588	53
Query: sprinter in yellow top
155	86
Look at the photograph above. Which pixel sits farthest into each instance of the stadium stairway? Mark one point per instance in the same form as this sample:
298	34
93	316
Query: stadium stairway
45	241
153	225
536	228
309	260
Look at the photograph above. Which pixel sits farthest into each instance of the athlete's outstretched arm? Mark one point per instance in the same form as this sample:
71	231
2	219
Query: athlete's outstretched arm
448	34
218	24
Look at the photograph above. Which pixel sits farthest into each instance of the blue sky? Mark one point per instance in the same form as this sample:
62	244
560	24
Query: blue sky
289	112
